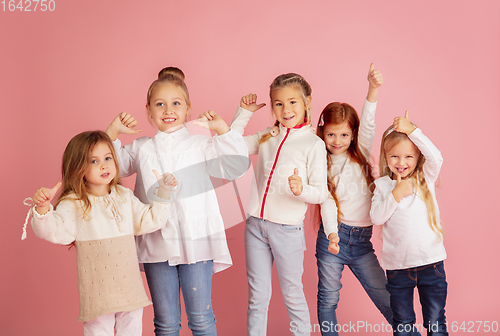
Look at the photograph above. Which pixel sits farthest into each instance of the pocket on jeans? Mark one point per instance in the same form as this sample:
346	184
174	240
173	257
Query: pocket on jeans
292	228
391	273
439	269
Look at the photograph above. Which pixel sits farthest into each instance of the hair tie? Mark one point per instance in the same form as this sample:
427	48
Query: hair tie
390	131
321	121
275	130
29	202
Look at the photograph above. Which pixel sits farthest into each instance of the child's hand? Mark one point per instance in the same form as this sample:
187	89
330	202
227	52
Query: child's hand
375	77
167	182
403	188
124	123
213	122
333	246
403	124
42	198
249	102
295	182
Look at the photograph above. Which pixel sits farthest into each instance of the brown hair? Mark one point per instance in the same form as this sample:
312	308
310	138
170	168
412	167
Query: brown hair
286	80
390	139
170	75
76	159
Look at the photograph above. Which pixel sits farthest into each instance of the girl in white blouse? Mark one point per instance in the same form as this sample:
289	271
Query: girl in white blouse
404	202
101	218
193	160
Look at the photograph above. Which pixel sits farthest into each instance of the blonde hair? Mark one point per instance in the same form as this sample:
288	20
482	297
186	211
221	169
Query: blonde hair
389	139
170	75
76	159
286	80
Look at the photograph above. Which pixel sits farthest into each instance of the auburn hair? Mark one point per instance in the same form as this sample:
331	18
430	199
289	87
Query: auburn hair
339	113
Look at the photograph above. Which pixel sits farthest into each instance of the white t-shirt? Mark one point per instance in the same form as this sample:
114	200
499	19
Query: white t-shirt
350	180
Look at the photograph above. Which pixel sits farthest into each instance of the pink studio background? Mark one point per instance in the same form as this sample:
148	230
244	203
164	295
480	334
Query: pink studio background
74	69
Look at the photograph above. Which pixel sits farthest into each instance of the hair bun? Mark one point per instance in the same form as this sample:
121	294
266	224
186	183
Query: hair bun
173	72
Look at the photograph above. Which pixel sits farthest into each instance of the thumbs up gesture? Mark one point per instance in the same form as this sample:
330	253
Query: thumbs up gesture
167	182
375	77
403	188
295	182
403	124
249	102
42	198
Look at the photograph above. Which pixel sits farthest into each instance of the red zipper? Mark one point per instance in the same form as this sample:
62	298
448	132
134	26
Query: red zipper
271	173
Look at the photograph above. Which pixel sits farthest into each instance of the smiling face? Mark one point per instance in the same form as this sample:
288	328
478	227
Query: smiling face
337	137
288	106
167	106
101	170
402	158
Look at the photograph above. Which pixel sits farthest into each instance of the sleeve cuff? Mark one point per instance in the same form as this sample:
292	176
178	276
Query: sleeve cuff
37	215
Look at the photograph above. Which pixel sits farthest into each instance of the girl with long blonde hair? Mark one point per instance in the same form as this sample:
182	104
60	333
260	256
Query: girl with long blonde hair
404	203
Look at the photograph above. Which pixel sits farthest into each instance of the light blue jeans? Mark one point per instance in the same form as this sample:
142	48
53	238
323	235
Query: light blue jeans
195	281
356	251
266	242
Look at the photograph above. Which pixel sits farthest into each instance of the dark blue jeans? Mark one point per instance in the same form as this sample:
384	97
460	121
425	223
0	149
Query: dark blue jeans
356	251
430	281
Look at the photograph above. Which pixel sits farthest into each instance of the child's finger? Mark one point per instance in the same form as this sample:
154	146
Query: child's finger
296	172
372	67
261	105
54	190
157	175
407	114
398	178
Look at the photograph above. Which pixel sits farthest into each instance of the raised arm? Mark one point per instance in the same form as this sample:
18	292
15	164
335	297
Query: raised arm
433	157
124	123
248	105
366	132
58	227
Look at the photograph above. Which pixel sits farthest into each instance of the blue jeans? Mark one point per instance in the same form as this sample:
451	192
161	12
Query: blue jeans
430	281
267	242
195	281
356	251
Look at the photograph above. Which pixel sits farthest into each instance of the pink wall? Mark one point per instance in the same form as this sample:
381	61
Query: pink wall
74	69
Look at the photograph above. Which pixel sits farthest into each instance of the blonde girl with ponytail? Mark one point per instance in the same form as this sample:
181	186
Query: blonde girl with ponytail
404	203
193	159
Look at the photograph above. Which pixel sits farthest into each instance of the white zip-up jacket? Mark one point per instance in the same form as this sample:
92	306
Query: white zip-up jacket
271	198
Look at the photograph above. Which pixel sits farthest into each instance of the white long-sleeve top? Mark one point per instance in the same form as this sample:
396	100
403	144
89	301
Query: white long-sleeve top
408	239
271	197
109	280
193	160
350	180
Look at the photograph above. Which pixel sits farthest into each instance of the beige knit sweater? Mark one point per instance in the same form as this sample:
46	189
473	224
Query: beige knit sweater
109	279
